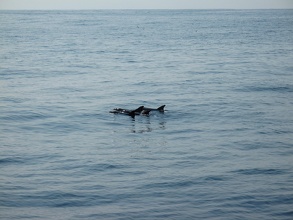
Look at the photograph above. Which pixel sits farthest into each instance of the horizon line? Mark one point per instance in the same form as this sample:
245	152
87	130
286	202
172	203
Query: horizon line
96	9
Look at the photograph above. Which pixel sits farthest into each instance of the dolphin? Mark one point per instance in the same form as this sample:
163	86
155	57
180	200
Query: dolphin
160	109
131	113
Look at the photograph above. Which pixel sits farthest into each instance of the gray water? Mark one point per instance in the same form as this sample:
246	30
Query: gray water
222	150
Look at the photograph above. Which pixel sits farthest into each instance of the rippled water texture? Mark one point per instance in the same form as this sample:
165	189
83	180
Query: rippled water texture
222	150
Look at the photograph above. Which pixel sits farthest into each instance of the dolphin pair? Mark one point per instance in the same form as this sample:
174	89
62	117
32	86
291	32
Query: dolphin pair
140	110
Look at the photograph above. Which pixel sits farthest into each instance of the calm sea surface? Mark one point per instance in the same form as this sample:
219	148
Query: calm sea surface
223	150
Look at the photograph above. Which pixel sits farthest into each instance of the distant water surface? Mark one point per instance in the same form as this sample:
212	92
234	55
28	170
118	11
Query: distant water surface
222	150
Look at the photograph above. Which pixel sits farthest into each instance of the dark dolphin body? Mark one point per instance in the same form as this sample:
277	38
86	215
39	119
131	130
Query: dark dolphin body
160	109
140	110
131	113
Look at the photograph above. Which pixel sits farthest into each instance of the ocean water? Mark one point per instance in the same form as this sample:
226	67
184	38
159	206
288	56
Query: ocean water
222	150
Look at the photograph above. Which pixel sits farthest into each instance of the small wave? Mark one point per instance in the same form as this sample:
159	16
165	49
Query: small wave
24	116
281	89
257	171
284	214
215	178
171	185
105	167
11	160
15	100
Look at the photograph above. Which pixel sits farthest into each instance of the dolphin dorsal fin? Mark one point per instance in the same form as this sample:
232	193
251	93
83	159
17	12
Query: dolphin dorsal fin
139	109
161	108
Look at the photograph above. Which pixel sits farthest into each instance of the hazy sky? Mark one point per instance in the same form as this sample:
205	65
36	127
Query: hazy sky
144	4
